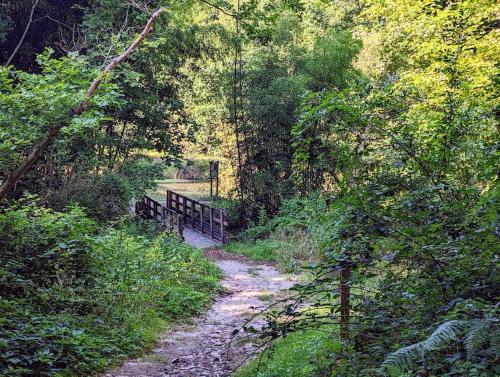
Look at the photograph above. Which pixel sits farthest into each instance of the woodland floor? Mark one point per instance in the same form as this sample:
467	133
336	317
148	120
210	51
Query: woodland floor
203	348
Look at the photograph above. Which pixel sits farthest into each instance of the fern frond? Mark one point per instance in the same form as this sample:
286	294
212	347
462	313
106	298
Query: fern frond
403	358
444	334
495	342
447	332
477	336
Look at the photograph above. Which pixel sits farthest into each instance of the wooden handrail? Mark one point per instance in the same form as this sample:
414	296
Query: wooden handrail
180	211
207	220
149	208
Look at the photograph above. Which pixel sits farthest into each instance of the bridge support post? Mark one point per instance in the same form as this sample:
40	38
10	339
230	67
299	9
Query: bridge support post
169	199
212	225
221	218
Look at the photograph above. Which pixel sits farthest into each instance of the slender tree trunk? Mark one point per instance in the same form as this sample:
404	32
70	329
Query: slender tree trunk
18	46
345	274
240	175
36	152
117	153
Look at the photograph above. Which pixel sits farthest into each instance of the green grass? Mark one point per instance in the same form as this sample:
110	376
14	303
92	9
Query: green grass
301	354
288	255
198	190
265	297
260	250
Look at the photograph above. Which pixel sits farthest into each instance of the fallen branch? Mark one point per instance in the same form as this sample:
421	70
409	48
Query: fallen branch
36	152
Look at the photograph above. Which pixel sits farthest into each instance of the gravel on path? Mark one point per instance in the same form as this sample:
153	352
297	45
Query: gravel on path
201	349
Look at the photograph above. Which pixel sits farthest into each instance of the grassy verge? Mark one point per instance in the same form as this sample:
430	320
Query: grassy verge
288	254
300	354
260	250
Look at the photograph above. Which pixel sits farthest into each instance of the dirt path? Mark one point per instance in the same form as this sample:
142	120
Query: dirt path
199	350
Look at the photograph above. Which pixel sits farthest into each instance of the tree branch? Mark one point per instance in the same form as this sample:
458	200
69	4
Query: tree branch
36	152
9	60
220	9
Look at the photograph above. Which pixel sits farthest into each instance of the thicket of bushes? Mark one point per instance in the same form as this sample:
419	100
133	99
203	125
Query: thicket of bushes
294	238
423	283
75	298
111	193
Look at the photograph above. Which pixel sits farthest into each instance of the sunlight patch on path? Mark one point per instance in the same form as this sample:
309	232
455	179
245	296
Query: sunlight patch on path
199	350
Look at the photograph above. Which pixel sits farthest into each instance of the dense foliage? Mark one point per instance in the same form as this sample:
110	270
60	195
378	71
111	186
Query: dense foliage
75	299
405	160
358	135
137	110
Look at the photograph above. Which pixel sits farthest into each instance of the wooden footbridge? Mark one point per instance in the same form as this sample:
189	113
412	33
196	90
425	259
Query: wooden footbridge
181	212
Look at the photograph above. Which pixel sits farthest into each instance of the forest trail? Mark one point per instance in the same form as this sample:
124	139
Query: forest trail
201	348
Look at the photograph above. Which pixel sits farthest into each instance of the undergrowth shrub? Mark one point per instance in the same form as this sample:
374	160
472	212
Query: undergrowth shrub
134	274
111	192
296	236
422	277
306	353
75	298
290	253
43	251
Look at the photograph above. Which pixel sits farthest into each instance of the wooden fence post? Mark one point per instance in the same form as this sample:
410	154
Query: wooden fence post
169	199
212	225
221	218
180	227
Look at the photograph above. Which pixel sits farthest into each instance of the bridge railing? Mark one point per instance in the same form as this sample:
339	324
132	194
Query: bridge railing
207	220
149	208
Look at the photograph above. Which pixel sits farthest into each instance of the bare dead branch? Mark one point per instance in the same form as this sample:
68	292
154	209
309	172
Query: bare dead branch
122	29
54	20
23	36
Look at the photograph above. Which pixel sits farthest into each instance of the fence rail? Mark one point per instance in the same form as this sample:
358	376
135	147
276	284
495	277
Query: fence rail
149	208
209	221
